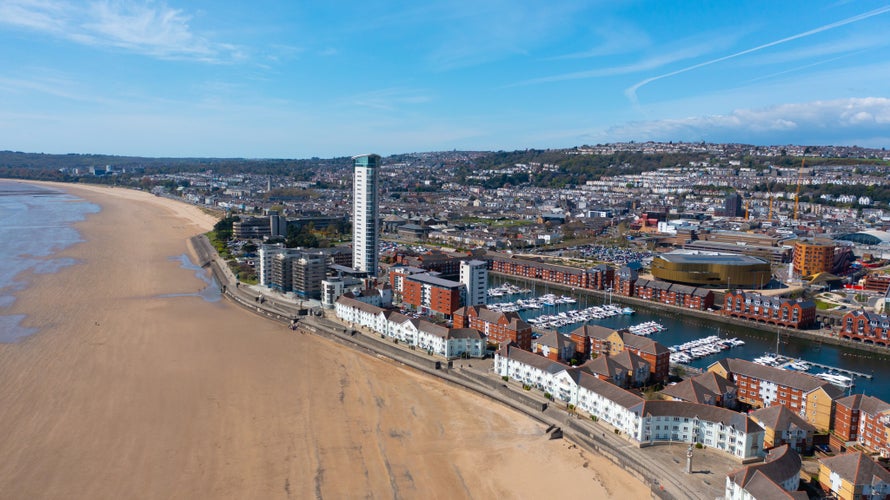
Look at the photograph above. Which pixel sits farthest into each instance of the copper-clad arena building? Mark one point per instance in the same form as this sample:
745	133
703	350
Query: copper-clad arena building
722	270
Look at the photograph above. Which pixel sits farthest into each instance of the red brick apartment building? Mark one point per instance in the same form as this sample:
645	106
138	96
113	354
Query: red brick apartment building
600	277
866	327
428	293
864	419
686	296
606	342
763	386
625	280
777	311
498	327
447	264
552	273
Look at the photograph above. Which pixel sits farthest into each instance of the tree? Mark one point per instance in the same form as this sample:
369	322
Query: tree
223	227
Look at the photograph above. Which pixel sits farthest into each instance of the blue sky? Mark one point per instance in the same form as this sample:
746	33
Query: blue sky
293	79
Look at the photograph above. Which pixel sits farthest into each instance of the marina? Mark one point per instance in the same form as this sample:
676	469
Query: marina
699	348
867	369
841	377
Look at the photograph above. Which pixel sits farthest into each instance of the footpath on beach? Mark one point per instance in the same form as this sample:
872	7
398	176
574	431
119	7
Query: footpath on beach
662	473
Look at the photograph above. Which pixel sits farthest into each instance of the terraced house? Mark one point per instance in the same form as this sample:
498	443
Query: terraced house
773	310
866	327
437	339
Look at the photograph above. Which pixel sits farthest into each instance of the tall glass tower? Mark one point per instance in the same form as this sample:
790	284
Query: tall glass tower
364	213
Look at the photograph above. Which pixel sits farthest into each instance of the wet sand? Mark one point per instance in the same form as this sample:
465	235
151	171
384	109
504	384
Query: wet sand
127	392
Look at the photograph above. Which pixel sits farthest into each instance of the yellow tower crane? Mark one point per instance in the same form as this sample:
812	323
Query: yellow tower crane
769	214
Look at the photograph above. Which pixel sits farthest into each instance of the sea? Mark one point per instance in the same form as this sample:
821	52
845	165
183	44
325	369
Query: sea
681	328
36	223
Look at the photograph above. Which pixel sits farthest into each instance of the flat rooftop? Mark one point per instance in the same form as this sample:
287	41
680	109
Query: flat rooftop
692	258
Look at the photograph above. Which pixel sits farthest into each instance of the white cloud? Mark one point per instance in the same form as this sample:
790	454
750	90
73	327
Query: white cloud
863	121
631	92
149	28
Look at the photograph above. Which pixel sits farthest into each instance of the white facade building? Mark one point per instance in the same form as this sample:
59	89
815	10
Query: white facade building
474	276
436	339
644	421
364	213
331	290
266	253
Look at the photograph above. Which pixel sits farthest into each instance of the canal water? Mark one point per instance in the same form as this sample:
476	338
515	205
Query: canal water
682	328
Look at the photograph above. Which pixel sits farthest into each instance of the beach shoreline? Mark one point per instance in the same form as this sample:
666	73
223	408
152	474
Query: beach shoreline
127	391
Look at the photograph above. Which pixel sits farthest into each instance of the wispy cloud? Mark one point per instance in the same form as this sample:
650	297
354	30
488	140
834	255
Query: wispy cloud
866	120
686	49
54	85
615	38
853	44
149	28
387	99
631	92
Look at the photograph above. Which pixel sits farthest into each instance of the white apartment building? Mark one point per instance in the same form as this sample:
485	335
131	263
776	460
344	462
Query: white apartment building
365	225
644	421
436	339
266	253
474	276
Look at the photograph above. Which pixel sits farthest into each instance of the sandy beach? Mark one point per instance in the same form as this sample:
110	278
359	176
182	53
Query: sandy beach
129	392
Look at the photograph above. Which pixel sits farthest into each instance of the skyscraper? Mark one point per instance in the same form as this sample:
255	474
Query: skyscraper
364	213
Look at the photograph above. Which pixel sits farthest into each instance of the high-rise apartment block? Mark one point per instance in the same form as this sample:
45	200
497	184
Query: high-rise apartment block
292	270
364	213
474	276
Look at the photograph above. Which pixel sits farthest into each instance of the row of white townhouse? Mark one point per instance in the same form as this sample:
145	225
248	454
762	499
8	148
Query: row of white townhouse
646	422
439	340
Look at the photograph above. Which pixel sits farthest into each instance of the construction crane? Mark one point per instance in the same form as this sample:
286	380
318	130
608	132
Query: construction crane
769	215
797	194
